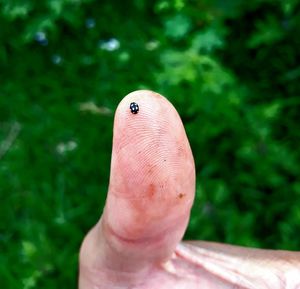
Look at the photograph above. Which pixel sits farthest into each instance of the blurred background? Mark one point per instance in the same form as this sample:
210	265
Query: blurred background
231	68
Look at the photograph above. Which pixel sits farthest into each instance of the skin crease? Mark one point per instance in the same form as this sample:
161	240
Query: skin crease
136	243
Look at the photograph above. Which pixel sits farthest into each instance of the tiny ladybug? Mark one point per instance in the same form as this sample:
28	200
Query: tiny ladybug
134	107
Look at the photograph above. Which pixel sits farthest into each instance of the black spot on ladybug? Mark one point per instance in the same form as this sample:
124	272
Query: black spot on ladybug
134	107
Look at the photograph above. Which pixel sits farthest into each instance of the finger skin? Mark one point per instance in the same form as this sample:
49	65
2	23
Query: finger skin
150	194
240	267
151	189
152	169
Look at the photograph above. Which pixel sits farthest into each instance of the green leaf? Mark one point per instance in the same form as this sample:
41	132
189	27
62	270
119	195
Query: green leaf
177	26
267	32
207	41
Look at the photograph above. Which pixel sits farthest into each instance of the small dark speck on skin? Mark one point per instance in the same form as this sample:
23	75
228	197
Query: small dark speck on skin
164	160
181	196
151	190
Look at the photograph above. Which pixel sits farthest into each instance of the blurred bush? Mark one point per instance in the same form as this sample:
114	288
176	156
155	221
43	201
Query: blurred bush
230	68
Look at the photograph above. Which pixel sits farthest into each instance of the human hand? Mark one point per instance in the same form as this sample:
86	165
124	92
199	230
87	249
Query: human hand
136	243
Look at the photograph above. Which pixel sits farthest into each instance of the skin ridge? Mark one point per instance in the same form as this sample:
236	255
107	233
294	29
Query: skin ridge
239	278
236	285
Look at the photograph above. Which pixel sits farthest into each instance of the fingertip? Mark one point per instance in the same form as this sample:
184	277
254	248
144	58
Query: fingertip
152	109
151	158
152	179
149	145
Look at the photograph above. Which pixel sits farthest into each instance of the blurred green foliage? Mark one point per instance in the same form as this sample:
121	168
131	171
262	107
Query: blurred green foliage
231	68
